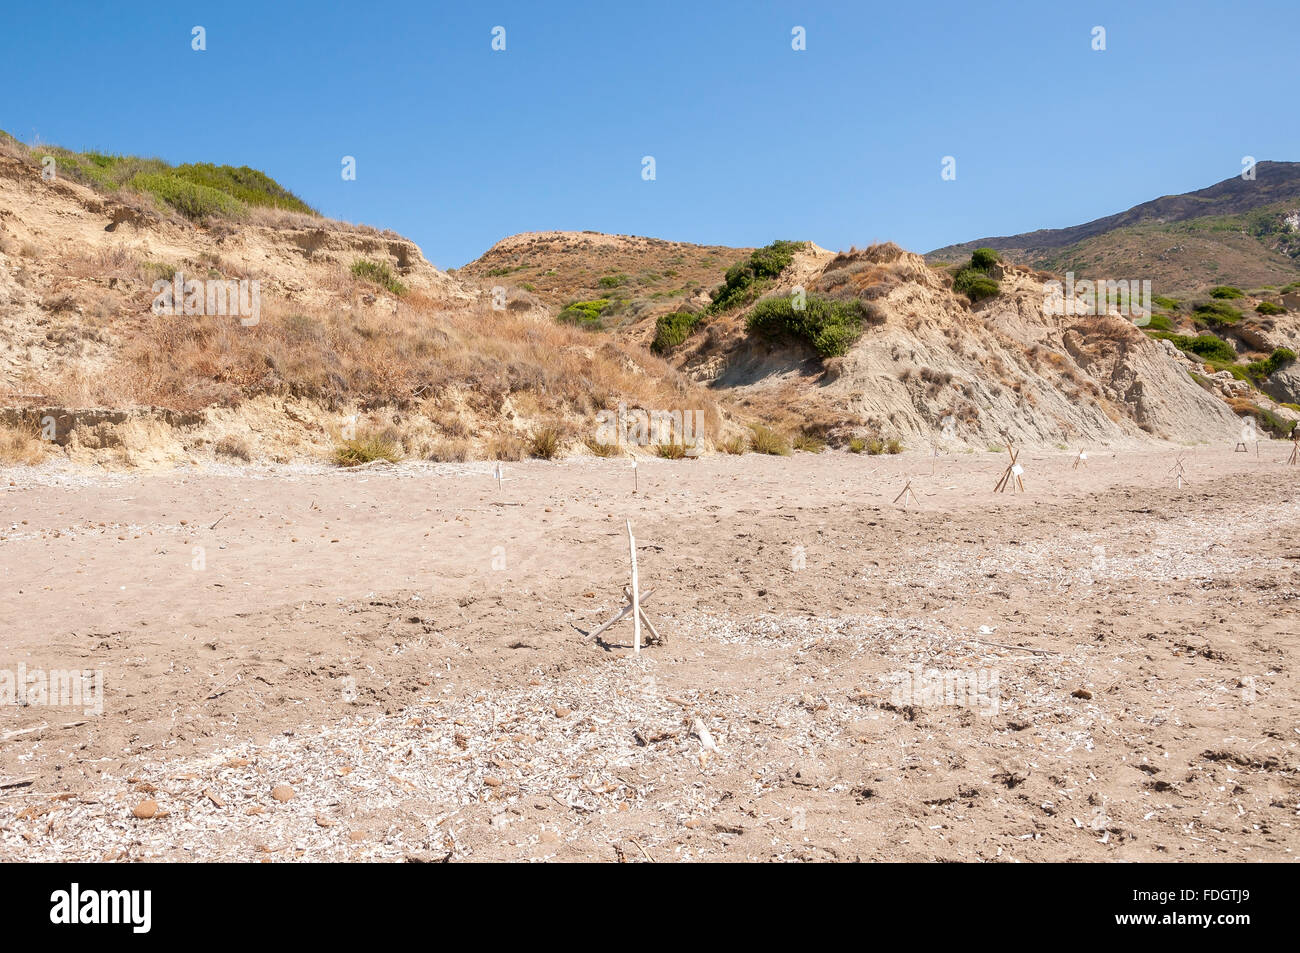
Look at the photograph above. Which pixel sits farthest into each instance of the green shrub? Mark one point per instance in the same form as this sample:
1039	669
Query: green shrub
767	440
198	202
379	273
1226	292
1268	307
612	281
1169	304
857	445
196	190
743	282
736	446
829	327
672	329
1216	313
808	443
875	446
983	259
585	314
1206	346
975	285
1258	370
893	445
1160	322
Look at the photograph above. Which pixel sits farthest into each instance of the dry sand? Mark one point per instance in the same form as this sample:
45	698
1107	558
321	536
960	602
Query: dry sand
399	654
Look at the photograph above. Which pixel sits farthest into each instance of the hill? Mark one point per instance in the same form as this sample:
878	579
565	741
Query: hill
1239	232
140	331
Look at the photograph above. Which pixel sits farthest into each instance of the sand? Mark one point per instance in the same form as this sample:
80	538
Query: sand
398	653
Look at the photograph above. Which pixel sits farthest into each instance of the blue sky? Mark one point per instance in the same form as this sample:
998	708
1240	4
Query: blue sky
458	145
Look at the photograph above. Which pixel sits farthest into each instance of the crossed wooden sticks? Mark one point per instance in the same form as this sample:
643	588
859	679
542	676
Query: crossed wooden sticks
635	600
1012	471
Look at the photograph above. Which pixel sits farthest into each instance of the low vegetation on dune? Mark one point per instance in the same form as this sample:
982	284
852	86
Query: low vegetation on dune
378	273
975	280
745	281
829	327
198	190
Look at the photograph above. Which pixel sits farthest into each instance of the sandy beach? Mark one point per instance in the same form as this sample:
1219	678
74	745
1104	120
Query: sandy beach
303	663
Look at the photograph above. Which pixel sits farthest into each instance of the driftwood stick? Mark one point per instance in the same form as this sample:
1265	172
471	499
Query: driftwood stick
636	591
1018	648
654	633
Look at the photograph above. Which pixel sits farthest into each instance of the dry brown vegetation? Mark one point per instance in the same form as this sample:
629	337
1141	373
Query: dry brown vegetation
21	445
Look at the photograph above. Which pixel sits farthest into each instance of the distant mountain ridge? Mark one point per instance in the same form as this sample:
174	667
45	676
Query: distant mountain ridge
1239	231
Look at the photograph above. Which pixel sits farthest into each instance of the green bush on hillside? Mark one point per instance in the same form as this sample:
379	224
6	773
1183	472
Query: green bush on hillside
1226	292
379	273
829	327
974	280
584	314
744	281
1259	370
1206	346
1216	313
1268	307
983	259
672	329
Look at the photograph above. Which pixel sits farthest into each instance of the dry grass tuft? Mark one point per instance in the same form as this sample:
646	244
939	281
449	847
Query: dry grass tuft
766	440
21	446
367	449
234	447
545	442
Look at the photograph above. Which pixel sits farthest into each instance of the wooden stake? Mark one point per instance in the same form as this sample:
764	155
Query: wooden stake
907	494
636	482
636	590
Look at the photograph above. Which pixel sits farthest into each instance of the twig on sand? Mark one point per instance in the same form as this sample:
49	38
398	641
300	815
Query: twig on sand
637	844
1018	648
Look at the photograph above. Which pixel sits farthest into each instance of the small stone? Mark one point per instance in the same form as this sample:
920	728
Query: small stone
562	712
146	809
1082	693
282	793
492	782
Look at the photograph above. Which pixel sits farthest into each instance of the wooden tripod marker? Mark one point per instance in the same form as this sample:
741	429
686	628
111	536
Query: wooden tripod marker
1294	459
1081	458
1011	473
906	495
636	600
1177	471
